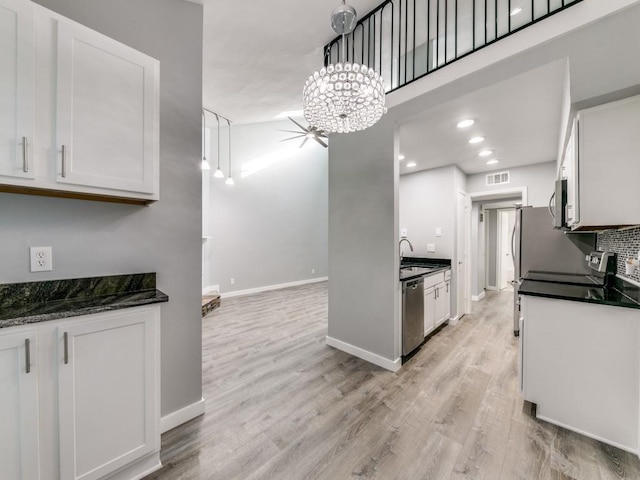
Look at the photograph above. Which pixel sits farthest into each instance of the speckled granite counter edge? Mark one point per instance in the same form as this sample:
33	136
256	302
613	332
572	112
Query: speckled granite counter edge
159	297
35	302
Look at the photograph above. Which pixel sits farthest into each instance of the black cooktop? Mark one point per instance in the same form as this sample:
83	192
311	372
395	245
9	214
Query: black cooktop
566	278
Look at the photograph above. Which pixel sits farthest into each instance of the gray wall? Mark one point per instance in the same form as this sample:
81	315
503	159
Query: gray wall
91	238
271	226
538	178
363	239
427	201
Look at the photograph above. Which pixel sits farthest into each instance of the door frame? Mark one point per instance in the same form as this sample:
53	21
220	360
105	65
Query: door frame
483	198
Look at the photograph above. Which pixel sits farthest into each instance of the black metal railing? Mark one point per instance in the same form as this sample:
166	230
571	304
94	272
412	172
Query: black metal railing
404	40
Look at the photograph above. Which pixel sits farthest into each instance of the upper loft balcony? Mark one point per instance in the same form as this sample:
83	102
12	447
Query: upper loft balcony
405	40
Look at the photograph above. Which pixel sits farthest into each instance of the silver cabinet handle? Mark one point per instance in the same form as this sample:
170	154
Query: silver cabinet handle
27	355
25	156
66	348
64	162
447	288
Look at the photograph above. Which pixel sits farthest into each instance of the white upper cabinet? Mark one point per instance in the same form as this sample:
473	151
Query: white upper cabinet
106	112
604	182
94	130
17	80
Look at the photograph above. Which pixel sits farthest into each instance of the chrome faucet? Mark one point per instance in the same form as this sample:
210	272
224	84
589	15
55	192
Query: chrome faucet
403	239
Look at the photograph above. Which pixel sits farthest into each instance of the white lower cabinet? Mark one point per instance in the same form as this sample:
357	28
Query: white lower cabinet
580	365
19	407
437	301
98	388
429	310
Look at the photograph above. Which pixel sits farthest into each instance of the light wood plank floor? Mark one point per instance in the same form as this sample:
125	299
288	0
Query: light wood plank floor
282	405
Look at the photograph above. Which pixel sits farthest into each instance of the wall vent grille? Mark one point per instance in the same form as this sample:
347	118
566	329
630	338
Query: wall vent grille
500	178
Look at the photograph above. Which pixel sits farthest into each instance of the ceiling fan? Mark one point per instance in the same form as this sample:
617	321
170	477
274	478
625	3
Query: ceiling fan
308	133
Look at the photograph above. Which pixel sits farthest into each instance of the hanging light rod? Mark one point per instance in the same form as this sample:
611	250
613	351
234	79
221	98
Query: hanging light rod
219	173
217	115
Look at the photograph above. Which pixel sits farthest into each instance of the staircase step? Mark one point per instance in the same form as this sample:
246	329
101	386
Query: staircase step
210	302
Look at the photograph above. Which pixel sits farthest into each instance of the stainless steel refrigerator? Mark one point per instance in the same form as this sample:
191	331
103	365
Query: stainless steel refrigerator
537	246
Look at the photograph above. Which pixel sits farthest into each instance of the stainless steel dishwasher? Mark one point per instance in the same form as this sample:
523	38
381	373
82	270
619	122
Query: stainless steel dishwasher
412	314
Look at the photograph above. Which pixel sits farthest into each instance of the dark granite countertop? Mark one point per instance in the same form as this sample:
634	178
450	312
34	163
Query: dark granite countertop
619	294
416	267
34	302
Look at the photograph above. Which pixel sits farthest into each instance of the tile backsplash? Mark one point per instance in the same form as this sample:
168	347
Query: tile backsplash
625	243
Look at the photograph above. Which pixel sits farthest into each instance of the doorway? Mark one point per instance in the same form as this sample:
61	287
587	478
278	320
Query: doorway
504	259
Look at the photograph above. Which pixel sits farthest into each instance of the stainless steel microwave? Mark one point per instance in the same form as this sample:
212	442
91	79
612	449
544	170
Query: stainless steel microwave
560	205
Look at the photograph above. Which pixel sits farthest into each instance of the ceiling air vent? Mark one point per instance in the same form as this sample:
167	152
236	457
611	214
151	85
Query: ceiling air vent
498	178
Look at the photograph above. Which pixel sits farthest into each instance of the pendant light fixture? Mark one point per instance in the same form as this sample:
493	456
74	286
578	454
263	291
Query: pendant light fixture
218	173
205	164
229	180
345	97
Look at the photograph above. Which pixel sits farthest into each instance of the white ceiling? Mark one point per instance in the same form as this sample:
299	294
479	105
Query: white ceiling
518	117
258	54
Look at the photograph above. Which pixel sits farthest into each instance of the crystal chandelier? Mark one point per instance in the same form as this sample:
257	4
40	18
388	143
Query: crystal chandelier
345	97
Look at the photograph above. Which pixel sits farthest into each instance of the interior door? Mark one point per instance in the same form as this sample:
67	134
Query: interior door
462	290
505	258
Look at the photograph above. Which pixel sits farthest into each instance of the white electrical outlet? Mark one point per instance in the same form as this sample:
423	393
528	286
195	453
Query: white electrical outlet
313	270
431	247
403	233
41	259
233	281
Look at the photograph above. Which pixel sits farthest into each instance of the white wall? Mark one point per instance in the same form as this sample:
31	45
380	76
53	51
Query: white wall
538	178
92	238
270	228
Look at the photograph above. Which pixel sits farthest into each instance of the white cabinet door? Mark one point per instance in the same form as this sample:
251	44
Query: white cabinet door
107	113
17	80
19	407
108	392
429	310
439	315
446	300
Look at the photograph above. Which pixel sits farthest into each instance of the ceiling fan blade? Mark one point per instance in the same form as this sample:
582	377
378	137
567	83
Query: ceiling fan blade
292	138
303	128
303	142
321	142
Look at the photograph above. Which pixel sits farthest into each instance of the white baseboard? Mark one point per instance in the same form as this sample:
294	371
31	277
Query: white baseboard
392	365
210	289
453	321
477	298
181	416
250	291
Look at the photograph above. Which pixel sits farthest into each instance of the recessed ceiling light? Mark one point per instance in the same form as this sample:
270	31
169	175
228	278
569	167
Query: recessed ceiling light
465	123
485	153
477	140
493	162
411	164
289	113
401	157
515	11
